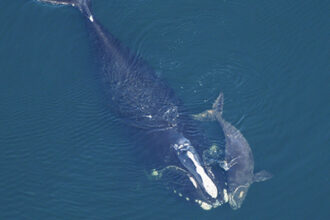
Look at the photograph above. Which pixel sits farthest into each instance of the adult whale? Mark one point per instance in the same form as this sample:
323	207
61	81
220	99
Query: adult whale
239	162
146	103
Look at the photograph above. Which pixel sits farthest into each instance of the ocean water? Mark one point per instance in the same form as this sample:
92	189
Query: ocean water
65	156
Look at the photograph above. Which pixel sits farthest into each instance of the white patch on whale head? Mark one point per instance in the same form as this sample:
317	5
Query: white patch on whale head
91	18
208	184
193	181
204	205
241	194
225	195
154	172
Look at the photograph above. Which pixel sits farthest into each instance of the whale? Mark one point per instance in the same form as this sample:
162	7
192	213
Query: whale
238	158
146	104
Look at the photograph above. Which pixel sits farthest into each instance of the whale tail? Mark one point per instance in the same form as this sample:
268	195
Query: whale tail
217	106
212	114
82	5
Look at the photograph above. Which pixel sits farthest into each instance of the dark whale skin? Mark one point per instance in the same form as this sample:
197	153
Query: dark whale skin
146	104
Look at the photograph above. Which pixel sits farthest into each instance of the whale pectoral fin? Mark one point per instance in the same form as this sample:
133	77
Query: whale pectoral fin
262	176
207	115
218	105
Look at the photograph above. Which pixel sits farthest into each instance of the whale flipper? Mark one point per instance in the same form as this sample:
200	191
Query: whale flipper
262	176
217	106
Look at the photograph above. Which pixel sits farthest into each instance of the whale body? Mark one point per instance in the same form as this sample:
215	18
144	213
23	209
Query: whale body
146	103
238	158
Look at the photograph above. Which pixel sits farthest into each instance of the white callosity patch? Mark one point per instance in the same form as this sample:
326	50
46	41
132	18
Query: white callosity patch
91	18
224	165
193	181
204	205
241	194
154	173
225	195
217	203
208	184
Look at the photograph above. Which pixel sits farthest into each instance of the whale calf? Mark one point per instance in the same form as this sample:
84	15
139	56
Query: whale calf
239	162
148	105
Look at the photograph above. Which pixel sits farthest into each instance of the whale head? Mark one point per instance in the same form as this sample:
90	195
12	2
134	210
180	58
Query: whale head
237	197
206	187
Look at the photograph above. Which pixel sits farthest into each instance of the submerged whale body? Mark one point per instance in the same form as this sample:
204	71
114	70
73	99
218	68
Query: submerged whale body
146	103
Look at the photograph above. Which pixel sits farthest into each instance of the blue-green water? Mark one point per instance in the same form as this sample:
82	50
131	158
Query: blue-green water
65	156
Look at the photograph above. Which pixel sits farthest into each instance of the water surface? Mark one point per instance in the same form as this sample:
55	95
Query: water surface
65	156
